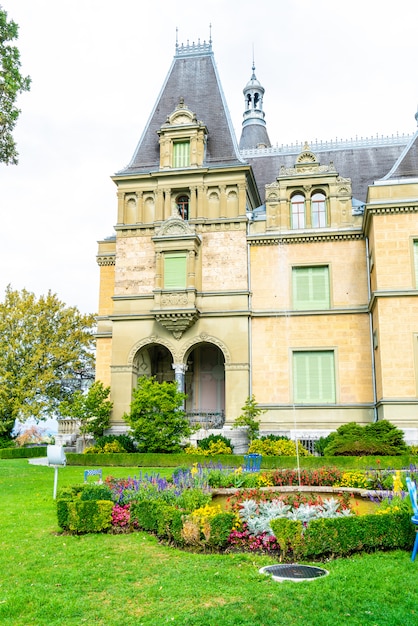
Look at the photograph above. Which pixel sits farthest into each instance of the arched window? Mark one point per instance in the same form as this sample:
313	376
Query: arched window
298	211
319	210
183	207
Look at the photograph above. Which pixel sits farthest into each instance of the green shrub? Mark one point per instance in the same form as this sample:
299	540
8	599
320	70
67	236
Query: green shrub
272	437
23	453
278	447
170	523
215	448
342	536
321	443
96	492
220	528
146	514
7	442
204	444
191	499
126	442
65	495
380	438
91	516
157	421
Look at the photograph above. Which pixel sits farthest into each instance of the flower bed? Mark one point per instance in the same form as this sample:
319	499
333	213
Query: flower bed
179	511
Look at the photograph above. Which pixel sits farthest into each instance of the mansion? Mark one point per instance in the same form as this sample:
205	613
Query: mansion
238	268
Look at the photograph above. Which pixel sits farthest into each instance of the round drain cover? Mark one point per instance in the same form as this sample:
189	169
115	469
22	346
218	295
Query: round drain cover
294	572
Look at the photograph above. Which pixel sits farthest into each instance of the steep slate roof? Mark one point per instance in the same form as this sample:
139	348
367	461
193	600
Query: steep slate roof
407	164
193	76
364	161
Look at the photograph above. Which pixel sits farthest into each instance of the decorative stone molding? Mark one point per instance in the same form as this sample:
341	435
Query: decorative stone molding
104	260
275	240
174	226
177	322
206	338
149	341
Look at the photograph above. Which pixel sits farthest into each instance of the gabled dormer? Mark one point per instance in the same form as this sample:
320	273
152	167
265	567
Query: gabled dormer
182	139
309	196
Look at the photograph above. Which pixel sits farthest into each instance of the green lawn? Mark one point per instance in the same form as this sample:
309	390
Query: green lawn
122	580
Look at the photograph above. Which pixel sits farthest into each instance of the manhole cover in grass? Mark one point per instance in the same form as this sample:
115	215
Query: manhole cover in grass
297	573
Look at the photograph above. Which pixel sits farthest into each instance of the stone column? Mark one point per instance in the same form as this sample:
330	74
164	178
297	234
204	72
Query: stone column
121	206
222	201
180	370
242	199
140	208
167	203
159	206
192	203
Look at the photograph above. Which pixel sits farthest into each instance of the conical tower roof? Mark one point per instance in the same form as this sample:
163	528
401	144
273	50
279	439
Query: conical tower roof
192	77
254	132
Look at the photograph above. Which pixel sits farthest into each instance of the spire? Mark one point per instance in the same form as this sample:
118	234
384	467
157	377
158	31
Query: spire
254	133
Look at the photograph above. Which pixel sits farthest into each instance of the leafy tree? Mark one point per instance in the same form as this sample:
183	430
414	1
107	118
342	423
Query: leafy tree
250	418
157	421
11	83
92	409
46	350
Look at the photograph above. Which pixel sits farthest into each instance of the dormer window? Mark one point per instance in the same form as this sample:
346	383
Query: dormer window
182	139
181	153
318	210
298	210
183	207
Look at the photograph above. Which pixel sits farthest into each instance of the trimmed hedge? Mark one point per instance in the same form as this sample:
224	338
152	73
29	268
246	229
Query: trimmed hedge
23	453
342	536
235	460
90	516
166	521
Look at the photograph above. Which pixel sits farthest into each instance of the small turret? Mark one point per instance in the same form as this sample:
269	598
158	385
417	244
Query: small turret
254	132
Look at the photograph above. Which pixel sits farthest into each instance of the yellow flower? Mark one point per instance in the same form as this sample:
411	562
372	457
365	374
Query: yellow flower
397	482
194	469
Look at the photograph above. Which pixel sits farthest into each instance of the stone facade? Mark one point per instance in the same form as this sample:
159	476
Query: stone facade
233	280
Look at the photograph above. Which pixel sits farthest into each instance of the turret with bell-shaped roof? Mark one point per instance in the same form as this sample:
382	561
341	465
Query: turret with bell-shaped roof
254	132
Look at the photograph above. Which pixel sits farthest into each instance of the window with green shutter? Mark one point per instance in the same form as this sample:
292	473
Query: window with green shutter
310	287
181	154
175	270
314	377
416	262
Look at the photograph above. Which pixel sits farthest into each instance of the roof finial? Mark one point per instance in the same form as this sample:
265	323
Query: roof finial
210	34
177	37
253	66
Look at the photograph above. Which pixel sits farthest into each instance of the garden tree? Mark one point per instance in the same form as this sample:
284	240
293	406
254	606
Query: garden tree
92	409
11	83
157	420
250	418
46	350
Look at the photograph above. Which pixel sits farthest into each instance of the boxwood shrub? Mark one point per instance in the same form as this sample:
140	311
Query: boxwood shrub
235	460
23	453
89	516
342	536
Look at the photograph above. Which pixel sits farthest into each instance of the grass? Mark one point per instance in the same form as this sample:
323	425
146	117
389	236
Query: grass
52	579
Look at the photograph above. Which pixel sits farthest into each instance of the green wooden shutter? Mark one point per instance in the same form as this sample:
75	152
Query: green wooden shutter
181	154
416	262
314	377
310	287
175	270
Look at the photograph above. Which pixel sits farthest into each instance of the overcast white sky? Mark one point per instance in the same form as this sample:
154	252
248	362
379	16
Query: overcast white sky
330	69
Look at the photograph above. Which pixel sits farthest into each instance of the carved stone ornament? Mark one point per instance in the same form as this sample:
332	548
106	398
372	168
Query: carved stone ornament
177	322
174	225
